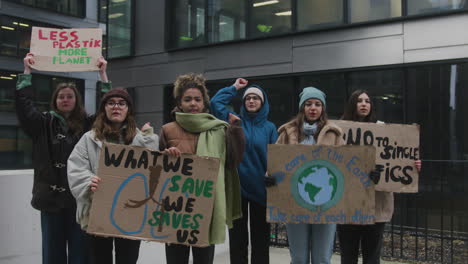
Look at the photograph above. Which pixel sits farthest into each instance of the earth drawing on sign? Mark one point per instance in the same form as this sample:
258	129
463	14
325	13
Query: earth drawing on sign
317	185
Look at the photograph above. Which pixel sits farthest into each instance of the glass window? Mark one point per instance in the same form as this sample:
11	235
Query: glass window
386	87
319	13
15	35
430	6
7	88
188	25
333	85
15	148
270	17
102	11
69	7
227	21
120	28
368	10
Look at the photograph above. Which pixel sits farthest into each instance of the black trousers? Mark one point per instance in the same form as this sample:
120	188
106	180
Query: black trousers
369	237
126	250
179	254
259	235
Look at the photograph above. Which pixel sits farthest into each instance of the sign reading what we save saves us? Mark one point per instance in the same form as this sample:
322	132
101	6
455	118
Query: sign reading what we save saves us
147	195
66	50
321	184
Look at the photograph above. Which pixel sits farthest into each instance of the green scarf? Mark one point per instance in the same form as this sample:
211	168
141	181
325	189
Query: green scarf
211	143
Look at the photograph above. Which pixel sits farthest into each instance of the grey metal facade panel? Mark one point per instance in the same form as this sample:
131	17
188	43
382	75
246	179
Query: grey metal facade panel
156	74
262	70
249	54
149	99
436	32
350	34
349	54
440	53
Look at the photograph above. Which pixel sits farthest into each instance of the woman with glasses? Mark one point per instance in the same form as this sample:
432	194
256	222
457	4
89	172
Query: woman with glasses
54	134
259	132
115	123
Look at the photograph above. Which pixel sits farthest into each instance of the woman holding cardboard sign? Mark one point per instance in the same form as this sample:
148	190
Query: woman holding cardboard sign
115	123
360	108
54	134
195	131
310	243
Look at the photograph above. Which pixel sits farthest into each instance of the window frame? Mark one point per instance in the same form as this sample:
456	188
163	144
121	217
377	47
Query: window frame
170	44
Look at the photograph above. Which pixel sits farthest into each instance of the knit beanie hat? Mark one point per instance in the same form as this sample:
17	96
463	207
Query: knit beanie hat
311	92
117	92
253	90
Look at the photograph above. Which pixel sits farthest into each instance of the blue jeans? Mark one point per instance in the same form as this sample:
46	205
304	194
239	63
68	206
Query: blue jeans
307	241
60	230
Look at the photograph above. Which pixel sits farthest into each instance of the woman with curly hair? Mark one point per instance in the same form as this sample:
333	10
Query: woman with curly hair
194	131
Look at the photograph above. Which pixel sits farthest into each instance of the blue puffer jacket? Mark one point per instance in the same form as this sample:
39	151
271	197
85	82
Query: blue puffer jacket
259	132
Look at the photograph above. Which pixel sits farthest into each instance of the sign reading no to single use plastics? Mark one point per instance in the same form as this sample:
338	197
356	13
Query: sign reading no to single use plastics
66	50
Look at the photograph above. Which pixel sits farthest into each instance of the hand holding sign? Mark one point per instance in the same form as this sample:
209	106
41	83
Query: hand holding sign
66	50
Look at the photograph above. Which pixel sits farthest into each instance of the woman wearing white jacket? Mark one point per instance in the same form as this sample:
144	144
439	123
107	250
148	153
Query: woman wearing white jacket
114	123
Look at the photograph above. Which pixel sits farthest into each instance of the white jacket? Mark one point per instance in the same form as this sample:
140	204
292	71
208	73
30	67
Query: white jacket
83	164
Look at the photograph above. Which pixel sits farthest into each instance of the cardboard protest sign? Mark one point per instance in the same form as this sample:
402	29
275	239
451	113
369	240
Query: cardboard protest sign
66	50
321	184
397	147
148	195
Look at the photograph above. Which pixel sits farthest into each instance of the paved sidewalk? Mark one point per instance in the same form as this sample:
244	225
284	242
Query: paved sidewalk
153	253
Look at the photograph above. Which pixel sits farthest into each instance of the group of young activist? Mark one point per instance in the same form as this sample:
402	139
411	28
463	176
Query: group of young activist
67	143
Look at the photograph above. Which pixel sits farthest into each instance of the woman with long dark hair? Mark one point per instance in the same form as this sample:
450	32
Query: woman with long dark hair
54	134
115	123
361	108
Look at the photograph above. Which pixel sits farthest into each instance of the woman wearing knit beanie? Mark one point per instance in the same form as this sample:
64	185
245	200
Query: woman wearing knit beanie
115	123
259	132
360	108
310	243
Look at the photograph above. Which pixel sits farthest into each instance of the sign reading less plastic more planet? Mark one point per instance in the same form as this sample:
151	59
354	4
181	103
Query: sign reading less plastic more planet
321	184
66	50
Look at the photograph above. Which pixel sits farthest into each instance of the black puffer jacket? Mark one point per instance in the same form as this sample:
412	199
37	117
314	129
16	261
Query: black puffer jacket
52	145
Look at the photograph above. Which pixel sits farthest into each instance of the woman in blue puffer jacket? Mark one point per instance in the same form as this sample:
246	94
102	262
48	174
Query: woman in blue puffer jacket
259	132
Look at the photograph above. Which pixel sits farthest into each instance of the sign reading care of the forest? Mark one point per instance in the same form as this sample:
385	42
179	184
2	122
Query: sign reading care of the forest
147	195
66	50
397	147
321	184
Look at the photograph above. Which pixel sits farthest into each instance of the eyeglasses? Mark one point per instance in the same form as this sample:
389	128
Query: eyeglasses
254	97
120	104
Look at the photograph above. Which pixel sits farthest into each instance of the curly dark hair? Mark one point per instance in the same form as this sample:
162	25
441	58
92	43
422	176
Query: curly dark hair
191	80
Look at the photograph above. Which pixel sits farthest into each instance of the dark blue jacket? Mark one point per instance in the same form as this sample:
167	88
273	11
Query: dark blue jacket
259	132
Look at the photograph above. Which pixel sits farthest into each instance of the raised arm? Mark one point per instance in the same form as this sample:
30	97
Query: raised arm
222	99
30	118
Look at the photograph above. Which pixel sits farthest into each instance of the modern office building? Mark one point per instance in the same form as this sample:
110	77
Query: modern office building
412	55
